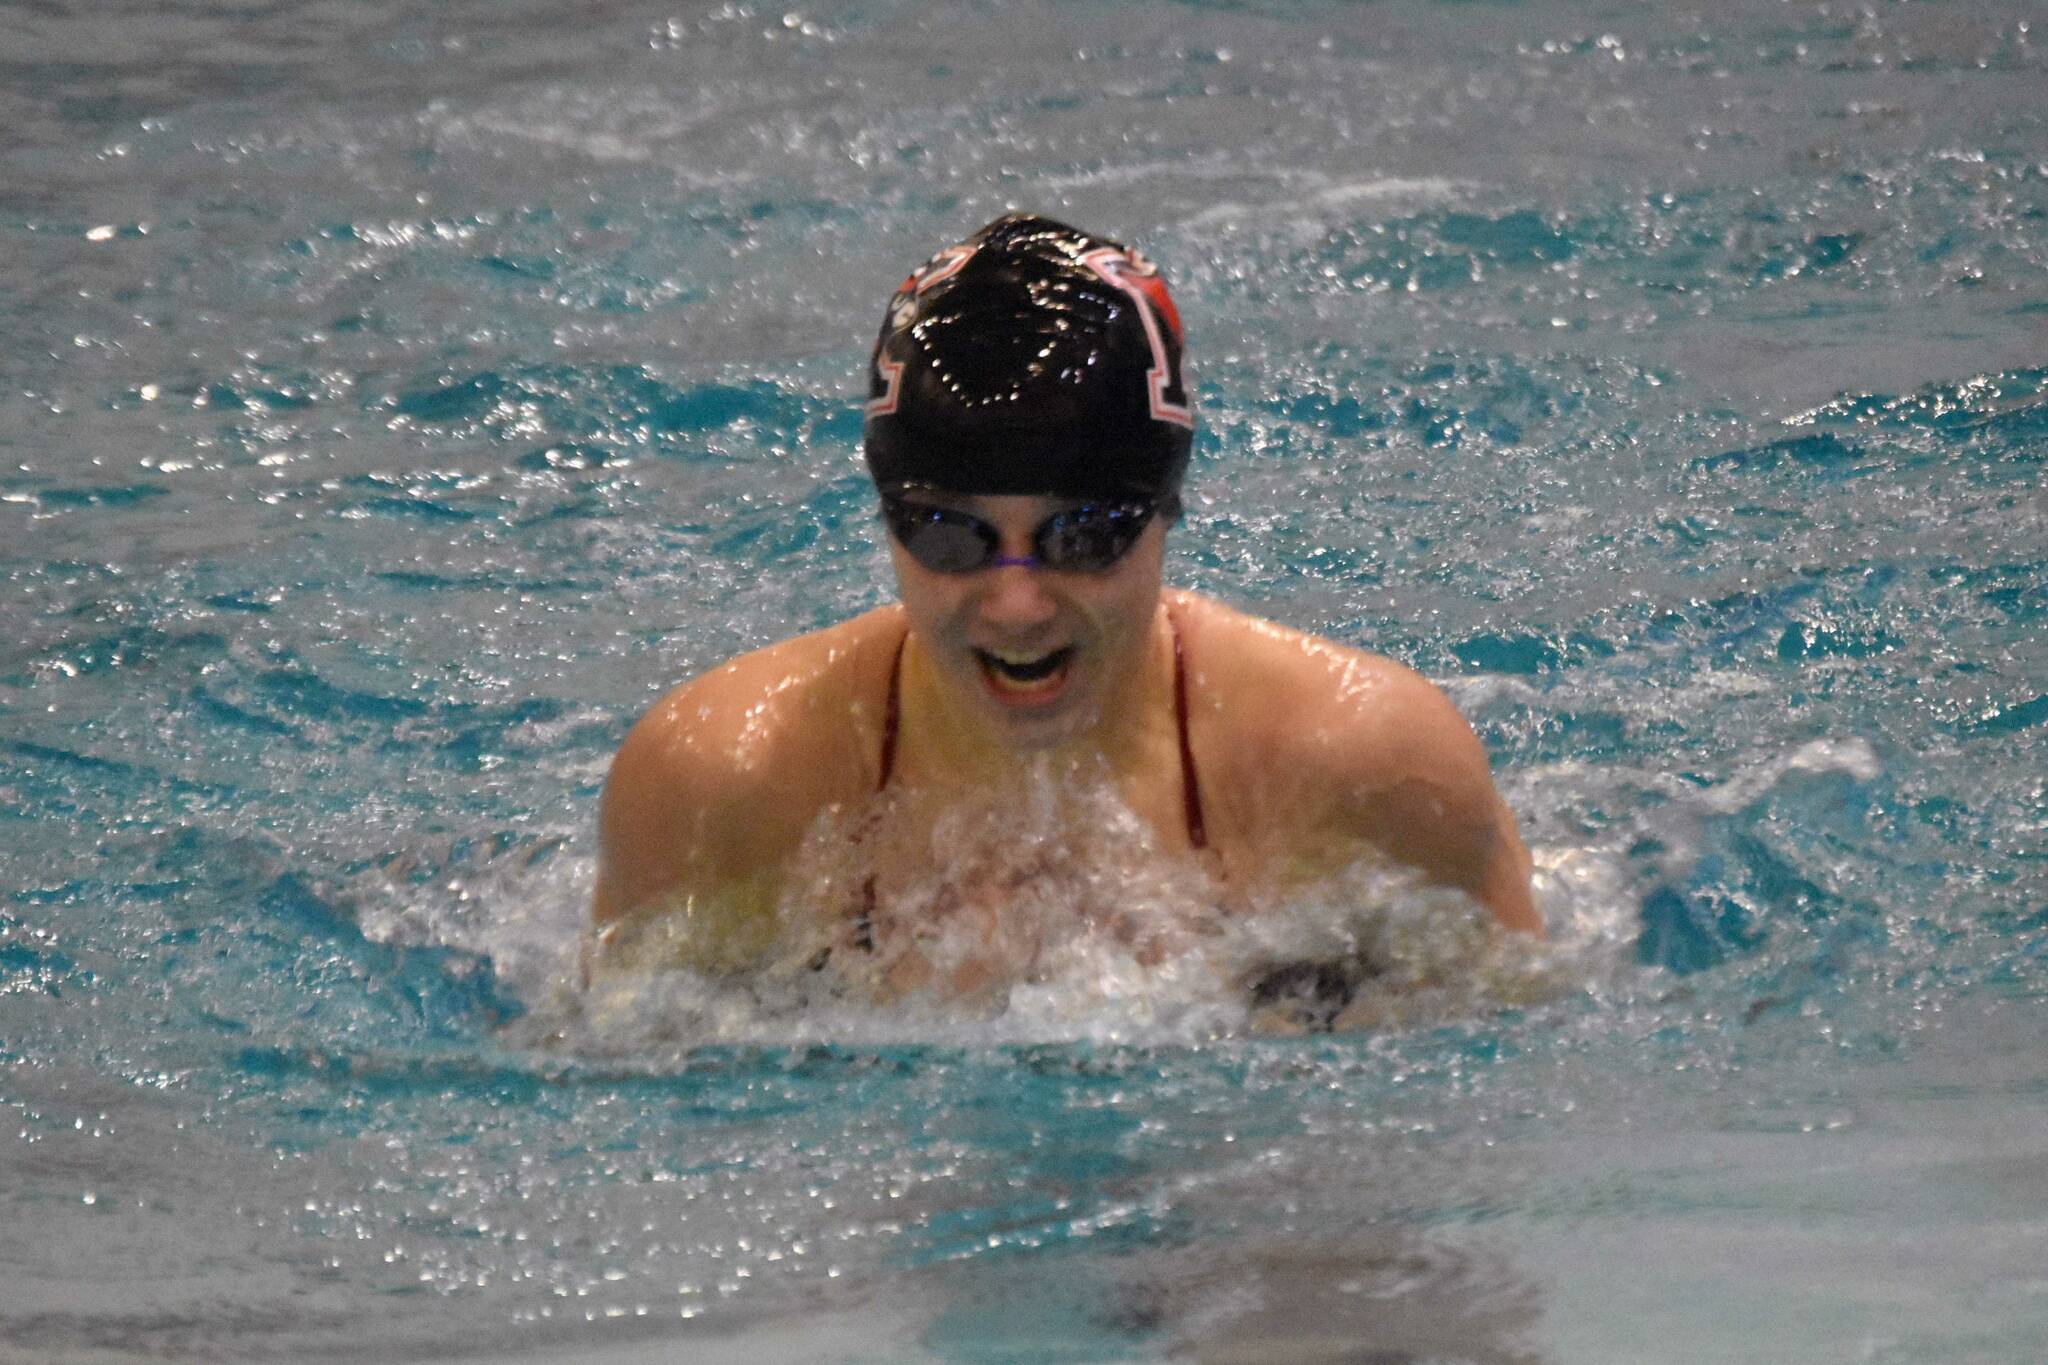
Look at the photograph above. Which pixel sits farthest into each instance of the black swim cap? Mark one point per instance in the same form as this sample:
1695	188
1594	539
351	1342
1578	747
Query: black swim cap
1031	358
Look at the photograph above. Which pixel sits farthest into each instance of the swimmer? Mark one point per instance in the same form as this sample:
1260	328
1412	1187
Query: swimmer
1027	430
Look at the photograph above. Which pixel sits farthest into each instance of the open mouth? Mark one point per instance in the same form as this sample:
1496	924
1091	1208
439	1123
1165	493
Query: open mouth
1033	678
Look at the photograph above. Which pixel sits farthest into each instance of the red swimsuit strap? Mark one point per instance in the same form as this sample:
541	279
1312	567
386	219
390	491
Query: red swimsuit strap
892	720
892	717
1190	787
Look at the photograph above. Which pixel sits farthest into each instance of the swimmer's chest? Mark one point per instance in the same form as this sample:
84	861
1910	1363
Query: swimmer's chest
1008	871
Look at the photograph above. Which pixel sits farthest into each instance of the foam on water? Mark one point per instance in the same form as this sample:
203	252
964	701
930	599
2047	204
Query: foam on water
1048	916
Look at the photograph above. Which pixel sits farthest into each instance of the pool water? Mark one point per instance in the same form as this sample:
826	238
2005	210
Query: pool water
397	398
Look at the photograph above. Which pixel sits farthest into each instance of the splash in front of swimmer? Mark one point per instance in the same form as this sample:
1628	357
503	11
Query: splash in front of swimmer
1037	689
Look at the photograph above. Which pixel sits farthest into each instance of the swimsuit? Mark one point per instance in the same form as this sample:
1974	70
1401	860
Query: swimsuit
1190	785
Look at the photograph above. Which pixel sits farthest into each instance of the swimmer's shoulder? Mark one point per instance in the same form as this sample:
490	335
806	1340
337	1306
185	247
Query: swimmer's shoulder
807	706
723	776
1275	685
1316	740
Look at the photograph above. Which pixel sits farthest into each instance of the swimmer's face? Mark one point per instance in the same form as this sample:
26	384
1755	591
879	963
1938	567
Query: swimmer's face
1039	652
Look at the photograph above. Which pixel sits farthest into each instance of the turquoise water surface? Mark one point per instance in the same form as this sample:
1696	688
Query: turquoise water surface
397	398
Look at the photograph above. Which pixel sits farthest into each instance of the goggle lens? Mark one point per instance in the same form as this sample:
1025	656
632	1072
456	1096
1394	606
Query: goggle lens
941	539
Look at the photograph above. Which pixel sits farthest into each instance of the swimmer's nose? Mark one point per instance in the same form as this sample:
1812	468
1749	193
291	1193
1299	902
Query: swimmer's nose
1015	596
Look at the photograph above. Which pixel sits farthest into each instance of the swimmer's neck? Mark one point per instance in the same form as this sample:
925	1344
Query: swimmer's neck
950	739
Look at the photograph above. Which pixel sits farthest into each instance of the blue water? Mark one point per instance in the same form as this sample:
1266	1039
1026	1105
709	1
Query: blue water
395	399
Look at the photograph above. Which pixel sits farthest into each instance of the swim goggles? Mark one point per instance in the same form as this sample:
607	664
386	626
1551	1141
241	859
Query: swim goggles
1089	538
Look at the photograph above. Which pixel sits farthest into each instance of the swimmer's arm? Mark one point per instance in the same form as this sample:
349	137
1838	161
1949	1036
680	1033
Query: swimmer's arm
690	843
1414	782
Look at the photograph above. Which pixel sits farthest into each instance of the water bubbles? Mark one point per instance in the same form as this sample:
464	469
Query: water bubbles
1096	935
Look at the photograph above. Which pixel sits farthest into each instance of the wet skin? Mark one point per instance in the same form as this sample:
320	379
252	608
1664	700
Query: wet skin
1310	754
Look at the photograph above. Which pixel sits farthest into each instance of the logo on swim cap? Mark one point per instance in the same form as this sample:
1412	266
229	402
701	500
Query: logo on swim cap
1031	358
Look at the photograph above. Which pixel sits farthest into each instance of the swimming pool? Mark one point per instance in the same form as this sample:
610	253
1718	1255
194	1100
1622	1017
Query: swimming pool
397	398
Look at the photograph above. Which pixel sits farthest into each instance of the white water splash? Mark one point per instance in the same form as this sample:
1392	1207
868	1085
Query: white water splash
1051	916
